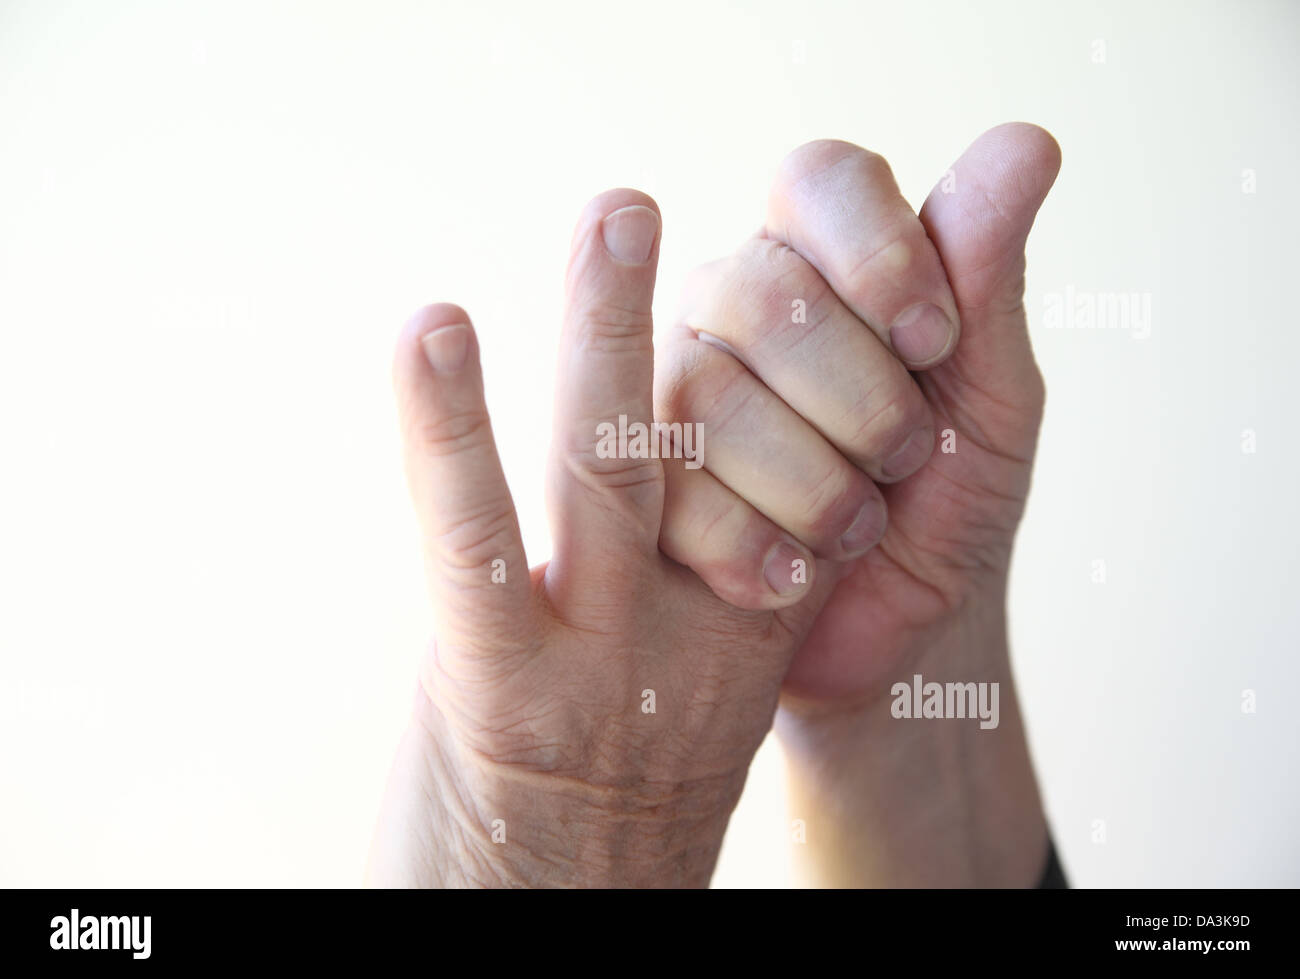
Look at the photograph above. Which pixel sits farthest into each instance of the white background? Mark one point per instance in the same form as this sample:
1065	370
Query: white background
214	219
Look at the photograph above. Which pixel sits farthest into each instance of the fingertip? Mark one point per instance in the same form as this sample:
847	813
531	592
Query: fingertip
742	557
438	336
1028	151
752	577
788	570
613	260
630	233
914	453
618	197
1036	144
867	528
605	205
431	317
925	335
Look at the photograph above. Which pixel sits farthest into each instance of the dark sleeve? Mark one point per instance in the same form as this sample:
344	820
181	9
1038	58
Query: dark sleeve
1053	874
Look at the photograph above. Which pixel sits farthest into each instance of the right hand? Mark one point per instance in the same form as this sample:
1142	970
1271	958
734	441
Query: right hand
533	758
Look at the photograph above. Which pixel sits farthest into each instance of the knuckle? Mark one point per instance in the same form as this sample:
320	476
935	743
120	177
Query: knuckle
884	418
714	529
830	502
891	247
621	474
705	385
774	295
451	434
581	457
870	167
478	537
610	328
716	397
822	155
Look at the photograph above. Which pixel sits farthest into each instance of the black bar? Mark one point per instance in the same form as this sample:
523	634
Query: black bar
639	933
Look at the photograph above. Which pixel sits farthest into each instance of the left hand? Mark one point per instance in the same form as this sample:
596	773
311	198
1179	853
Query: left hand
807	418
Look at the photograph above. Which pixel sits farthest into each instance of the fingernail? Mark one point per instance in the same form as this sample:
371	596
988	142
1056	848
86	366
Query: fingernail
630	233
866	530
782	567
921	333
447	347
912	456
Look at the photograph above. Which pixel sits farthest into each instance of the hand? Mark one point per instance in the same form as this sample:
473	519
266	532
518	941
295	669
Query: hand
815	407
590	722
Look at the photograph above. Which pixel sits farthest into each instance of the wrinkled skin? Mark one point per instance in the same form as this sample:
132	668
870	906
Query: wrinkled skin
533	758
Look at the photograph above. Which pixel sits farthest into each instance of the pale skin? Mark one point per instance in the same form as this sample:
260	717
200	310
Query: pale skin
531	759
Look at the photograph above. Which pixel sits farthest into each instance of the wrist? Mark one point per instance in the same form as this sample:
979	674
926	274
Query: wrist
455	818
893	799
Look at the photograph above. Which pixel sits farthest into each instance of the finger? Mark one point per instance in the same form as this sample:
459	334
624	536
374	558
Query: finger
765	453
979	218
839	207
606	493
778	316
477	572
742	556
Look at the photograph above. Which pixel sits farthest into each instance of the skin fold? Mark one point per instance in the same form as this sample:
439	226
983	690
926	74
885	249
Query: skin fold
591	722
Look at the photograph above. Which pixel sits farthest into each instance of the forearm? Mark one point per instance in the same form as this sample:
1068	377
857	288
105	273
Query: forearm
899	802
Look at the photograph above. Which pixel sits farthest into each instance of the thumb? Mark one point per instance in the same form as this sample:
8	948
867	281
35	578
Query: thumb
606	481
979	218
